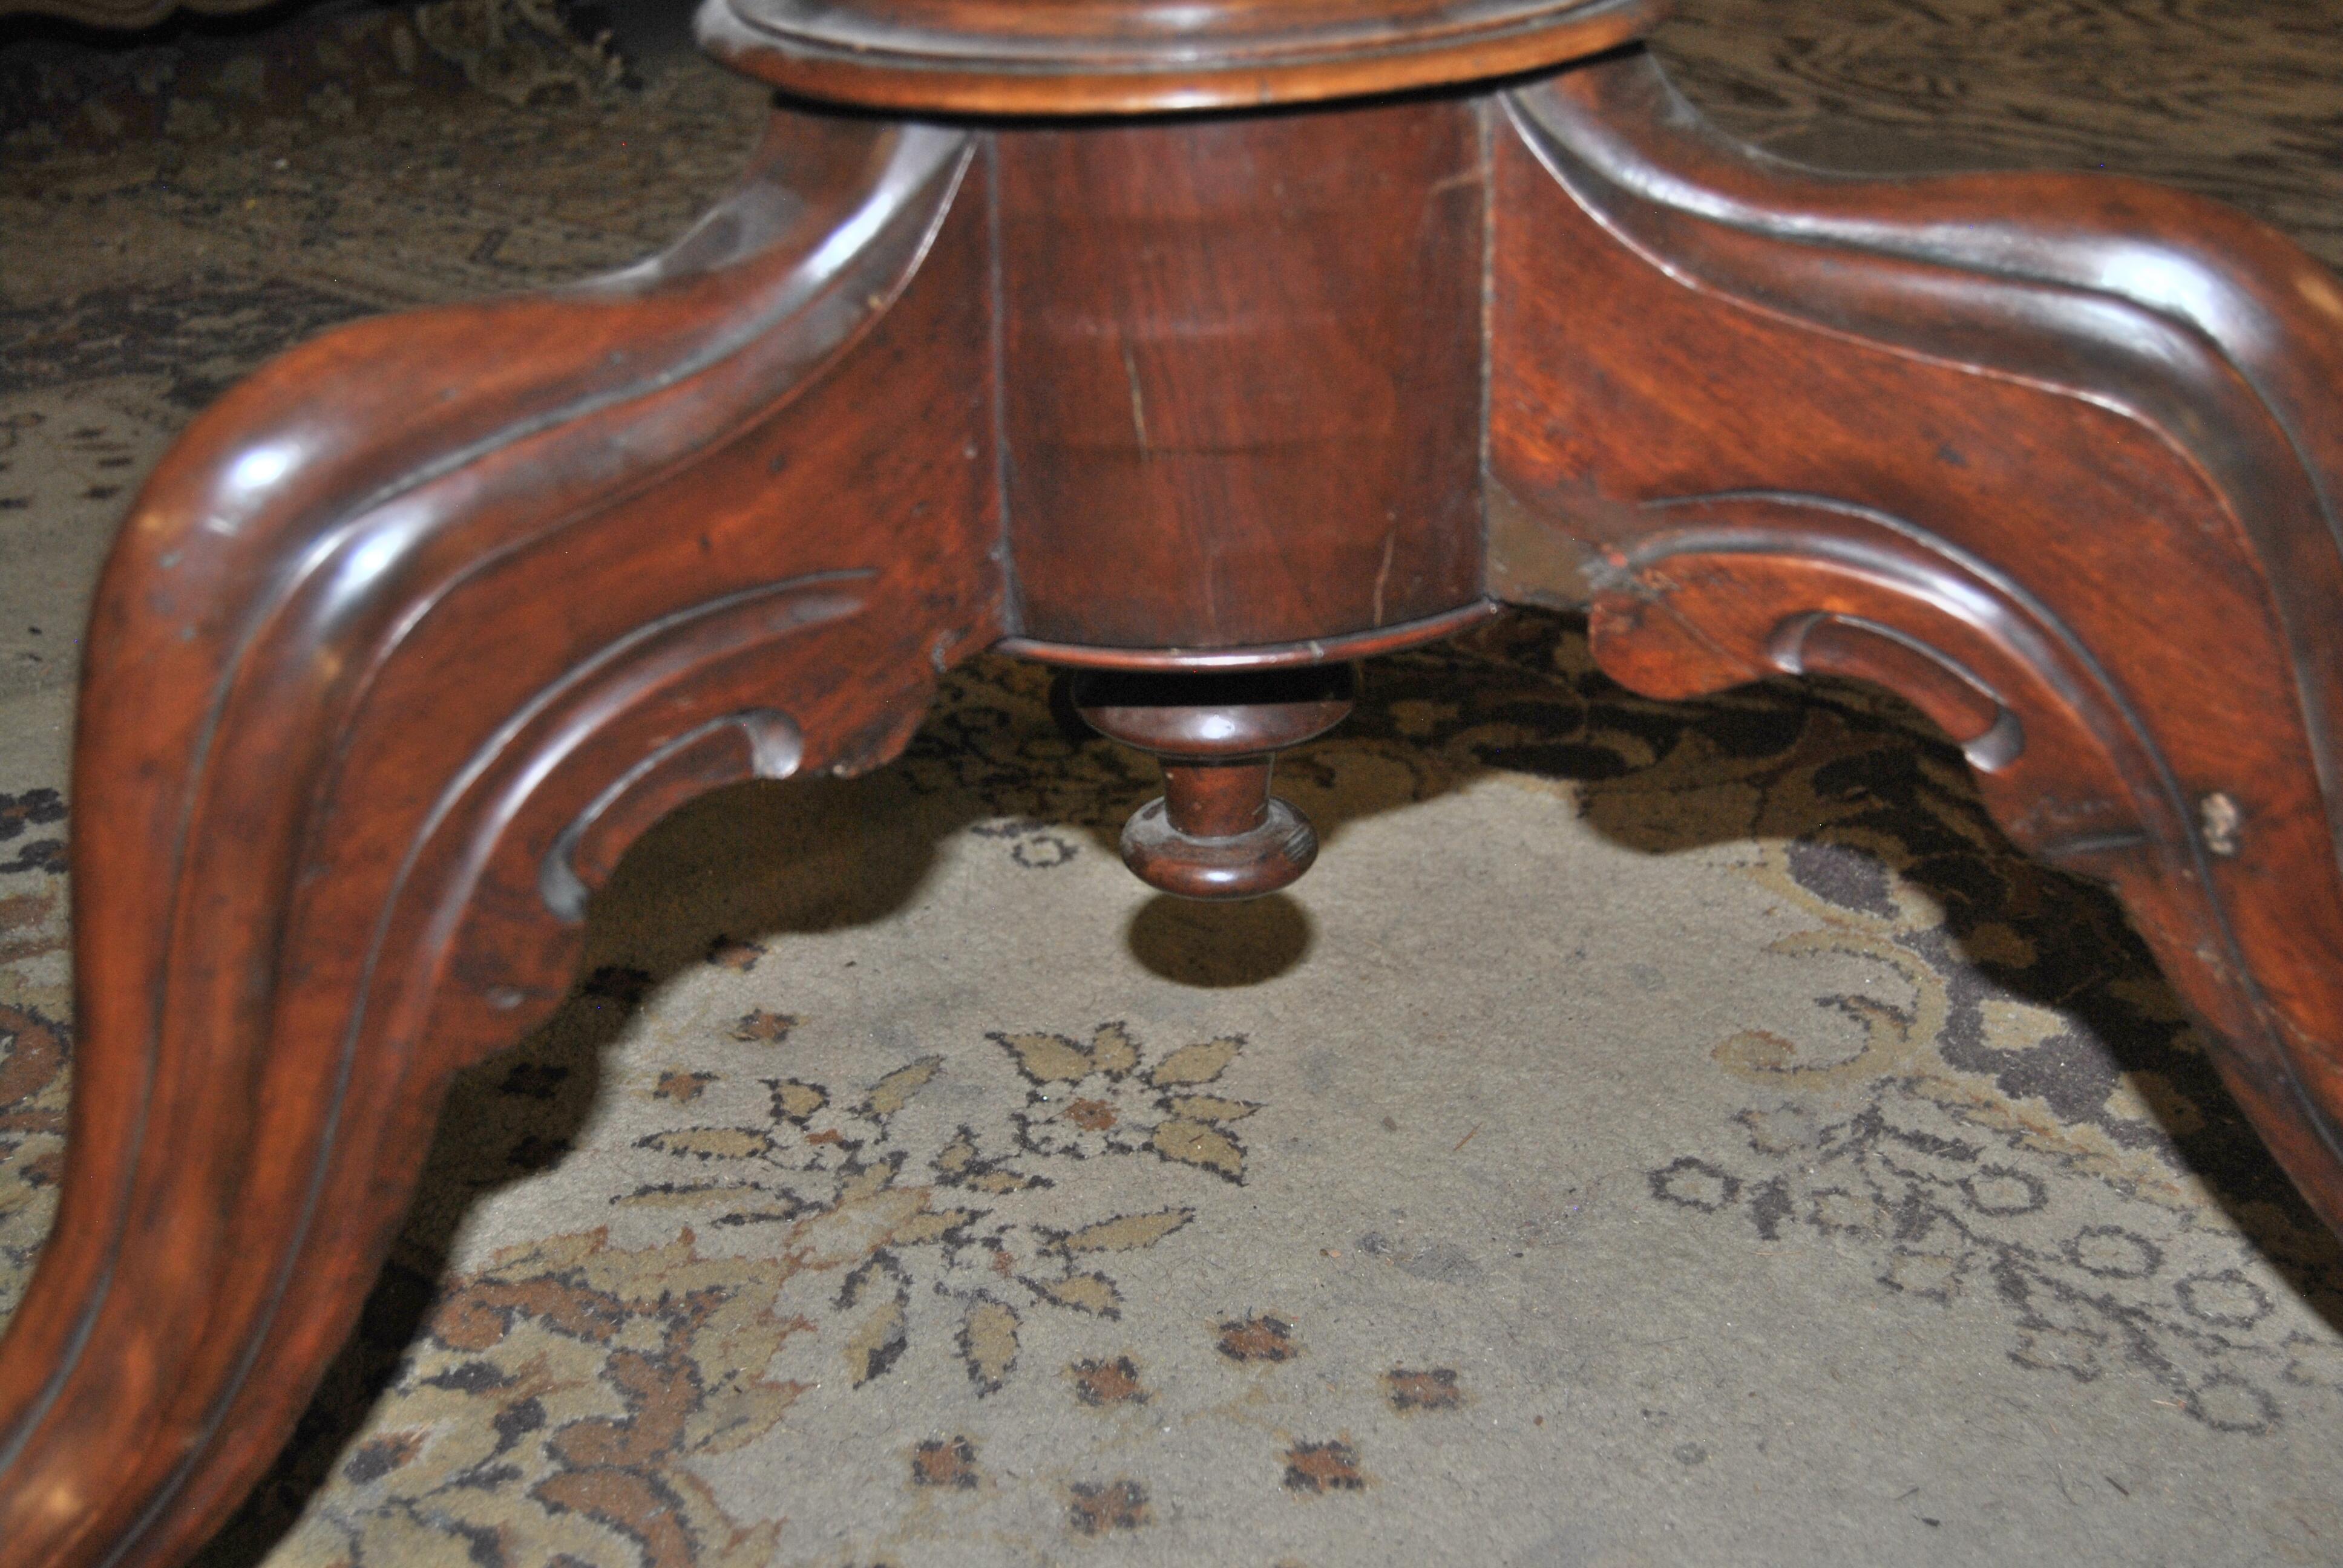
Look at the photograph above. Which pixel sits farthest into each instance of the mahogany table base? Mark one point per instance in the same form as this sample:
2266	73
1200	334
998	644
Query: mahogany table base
415	632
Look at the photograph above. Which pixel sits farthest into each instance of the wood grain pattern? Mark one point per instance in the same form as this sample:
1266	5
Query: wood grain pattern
1128	57
1240	374
416	630
394	629
2056	456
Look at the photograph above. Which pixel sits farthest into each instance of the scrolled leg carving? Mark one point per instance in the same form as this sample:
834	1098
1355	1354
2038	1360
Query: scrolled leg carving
2055	457
402	644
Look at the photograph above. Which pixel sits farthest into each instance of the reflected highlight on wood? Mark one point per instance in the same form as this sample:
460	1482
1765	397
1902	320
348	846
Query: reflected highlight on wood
413	633
2055	457
404	639
1217	832
1135	56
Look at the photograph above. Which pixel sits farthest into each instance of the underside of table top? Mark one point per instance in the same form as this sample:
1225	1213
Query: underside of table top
1139	56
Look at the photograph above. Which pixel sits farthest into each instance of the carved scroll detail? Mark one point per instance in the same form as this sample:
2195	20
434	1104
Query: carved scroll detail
582	857
1732	588
2058	457
1985	727
393	619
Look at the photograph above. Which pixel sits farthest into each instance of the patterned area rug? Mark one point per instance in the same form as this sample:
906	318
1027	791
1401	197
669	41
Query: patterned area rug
1653	1134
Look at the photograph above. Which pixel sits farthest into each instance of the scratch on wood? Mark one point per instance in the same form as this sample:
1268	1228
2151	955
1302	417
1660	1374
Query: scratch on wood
1138	402
1382	577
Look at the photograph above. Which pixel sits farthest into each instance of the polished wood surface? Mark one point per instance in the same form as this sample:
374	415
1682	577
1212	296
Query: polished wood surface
2057	458
1341	649
1240	375
1216	832
400	634
1135	56
413	632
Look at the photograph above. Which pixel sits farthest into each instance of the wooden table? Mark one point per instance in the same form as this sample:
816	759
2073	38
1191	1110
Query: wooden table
1201	348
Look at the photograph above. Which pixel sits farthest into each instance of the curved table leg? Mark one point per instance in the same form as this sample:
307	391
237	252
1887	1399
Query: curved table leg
404	642
2057	458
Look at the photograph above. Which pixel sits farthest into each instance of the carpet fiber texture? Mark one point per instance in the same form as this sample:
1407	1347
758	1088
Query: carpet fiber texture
1653	1134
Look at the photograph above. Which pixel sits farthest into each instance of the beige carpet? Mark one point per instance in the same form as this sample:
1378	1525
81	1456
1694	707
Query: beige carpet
1653	1134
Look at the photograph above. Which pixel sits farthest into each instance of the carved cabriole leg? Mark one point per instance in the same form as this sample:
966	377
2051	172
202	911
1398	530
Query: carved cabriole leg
402	644
2056	456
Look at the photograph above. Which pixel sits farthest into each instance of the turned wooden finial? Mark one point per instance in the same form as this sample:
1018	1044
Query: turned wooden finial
1216	831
